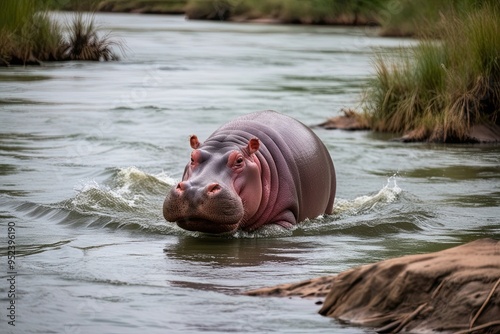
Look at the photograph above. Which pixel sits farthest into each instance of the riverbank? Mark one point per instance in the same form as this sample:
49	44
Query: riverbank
173	7
445	90
452	291
402	18
440	90
319	12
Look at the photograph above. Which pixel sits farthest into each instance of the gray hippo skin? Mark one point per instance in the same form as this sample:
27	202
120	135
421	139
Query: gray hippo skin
261	168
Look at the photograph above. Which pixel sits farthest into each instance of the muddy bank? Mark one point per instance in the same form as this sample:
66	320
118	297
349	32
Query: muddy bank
452	291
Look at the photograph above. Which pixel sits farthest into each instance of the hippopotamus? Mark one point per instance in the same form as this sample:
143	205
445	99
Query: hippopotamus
261	168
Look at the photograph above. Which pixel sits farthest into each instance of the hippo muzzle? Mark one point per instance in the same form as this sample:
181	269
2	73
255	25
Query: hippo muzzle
212	208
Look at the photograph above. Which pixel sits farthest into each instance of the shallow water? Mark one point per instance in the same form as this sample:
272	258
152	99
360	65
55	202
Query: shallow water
89	150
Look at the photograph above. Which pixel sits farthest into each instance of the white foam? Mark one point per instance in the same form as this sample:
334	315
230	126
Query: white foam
95	196
133	174
388	194
127	190
165	178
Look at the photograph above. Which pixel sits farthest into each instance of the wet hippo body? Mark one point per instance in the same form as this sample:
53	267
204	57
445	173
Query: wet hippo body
261	168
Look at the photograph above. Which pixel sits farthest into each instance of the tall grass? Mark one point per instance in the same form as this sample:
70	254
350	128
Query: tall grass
15	43
28	35
14	14
438	90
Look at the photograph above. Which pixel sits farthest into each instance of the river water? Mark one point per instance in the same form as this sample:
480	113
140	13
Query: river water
89	150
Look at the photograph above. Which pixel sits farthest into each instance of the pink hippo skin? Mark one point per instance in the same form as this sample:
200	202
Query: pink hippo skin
261	168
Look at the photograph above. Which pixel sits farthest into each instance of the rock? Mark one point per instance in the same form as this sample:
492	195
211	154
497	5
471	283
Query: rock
456	291
351	120
485	133
316	287
478	133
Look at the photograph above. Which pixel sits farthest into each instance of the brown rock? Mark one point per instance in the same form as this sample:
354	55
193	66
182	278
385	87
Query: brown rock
351	120
478	133
485	133
456	290
316	287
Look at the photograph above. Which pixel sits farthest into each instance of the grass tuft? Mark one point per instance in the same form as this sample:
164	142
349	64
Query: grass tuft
84	43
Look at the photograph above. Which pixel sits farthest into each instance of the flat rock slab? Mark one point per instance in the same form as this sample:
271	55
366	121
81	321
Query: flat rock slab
456	291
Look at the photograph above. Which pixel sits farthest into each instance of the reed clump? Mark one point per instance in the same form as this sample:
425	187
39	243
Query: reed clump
84	43
439	89
28	36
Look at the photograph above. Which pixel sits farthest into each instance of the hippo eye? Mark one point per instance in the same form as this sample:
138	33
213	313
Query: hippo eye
194	158
235	160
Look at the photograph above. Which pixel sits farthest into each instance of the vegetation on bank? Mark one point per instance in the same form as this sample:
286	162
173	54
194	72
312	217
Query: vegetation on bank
124	6
288	11
395	18
29	36
440	89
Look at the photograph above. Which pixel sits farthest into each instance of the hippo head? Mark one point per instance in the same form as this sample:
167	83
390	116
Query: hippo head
221	188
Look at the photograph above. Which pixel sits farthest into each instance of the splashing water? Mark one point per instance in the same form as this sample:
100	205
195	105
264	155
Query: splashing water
388	194
128	190
132	199
363	214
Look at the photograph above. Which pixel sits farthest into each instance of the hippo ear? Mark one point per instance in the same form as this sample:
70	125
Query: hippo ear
253	145
194	142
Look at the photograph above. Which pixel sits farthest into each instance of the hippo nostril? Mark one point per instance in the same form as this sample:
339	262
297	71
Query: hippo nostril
213	188
181	186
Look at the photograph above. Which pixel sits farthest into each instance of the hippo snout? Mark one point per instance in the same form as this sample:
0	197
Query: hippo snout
208	190
211	208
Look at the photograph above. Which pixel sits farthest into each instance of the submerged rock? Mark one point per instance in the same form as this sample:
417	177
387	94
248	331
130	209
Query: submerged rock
456	291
